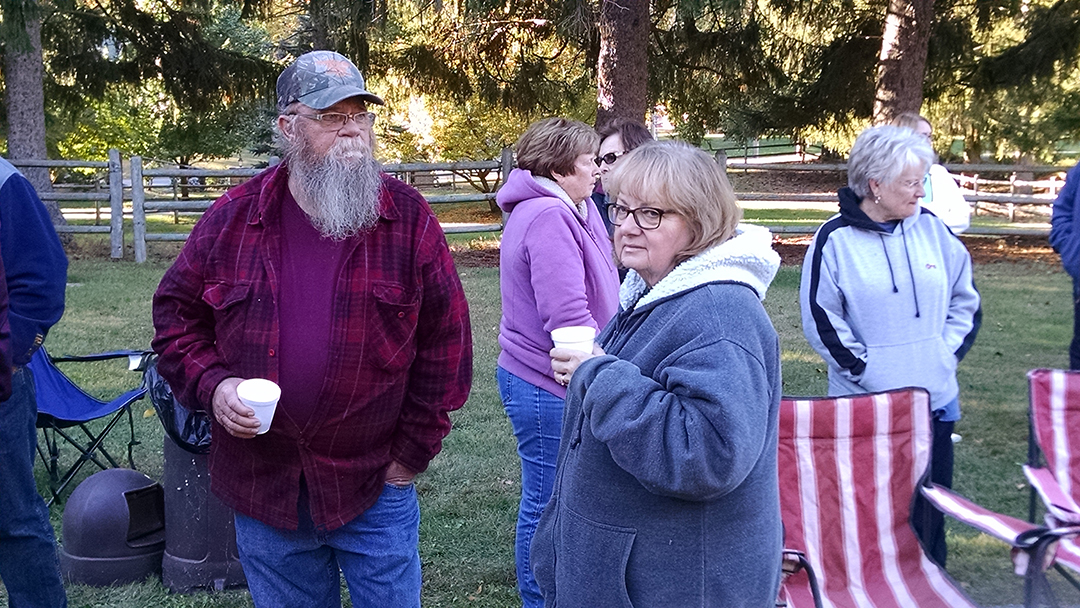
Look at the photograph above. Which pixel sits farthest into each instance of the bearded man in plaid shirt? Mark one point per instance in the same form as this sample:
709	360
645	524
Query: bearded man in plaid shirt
334	280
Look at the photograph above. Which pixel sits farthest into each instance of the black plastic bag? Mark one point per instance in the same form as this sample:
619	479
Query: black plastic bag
190	429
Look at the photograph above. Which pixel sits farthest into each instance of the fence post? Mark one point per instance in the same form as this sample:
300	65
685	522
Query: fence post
97	203
506	162
721	159
116	205
138	209
975	188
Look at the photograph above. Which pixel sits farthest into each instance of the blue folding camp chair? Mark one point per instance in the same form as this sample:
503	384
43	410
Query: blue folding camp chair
63	406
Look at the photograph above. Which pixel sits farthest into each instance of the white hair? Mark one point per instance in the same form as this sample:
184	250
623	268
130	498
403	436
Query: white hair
882	154
340	189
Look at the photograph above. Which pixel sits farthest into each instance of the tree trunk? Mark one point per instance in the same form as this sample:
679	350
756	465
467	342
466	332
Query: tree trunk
24	79
623	67
319	13
902	62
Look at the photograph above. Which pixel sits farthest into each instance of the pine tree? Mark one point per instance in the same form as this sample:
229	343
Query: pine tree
23	80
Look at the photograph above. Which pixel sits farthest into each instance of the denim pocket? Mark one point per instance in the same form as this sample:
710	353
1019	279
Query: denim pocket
396	509
505	382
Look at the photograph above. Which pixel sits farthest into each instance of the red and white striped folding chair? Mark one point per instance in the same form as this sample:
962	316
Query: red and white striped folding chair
849	467
1032	544
1054	399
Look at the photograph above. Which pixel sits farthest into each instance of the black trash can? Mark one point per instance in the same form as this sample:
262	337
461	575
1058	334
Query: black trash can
113	529
200	540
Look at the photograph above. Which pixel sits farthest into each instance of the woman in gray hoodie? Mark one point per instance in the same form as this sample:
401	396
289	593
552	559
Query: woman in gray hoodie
887	296
666	488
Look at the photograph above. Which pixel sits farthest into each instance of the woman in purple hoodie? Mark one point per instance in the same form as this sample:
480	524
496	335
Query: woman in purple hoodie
555	270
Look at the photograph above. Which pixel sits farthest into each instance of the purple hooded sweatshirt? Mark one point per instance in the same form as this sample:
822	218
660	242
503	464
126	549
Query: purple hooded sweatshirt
555	269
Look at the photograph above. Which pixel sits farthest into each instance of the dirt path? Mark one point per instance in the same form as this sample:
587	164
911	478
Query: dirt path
984	250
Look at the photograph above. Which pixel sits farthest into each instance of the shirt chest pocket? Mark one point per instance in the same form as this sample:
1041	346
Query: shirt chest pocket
397	310
228	301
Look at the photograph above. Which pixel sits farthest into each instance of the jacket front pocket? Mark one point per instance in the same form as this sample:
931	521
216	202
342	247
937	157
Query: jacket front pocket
926	363
230	312
397	311
590	562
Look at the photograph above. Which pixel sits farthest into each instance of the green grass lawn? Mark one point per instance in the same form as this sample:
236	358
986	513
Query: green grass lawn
182	223
469	494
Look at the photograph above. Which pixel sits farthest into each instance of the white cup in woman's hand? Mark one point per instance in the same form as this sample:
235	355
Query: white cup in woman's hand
575	337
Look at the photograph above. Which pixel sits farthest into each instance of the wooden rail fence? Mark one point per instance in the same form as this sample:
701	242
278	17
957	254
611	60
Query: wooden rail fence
176	191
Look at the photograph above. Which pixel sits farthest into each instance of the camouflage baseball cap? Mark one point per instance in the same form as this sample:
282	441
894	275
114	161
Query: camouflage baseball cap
320	79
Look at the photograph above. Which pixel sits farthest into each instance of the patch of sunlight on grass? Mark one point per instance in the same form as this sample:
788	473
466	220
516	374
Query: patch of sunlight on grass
804	356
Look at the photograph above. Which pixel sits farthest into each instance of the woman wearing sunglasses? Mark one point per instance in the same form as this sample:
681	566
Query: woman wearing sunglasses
555	270
616	139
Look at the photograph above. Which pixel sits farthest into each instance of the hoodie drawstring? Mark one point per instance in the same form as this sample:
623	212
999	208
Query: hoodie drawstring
892	277
888	262
907	254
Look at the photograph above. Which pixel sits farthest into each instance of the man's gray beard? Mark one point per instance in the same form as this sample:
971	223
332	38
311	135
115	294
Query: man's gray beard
341	189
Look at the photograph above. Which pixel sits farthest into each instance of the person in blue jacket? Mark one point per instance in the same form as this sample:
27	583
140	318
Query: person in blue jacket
5	341
35	273
1065	239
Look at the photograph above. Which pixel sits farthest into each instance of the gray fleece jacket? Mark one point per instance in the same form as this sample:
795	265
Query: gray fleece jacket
666	491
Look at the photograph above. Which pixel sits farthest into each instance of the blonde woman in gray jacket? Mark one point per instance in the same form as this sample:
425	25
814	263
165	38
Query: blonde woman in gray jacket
887	294
666	492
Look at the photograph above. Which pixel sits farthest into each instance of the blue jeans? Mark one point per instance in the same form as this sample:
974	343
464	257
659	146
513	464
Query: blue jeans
536	416
29	567
377	552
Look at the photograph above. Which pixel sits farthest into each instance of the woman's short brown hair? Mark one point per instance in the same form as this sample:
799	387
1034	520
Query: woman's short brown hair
552	145
677	176
909	120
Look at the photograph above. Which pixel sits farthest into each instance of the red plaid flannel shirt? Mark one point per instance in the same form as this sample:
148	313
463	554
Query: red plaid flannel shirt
400	360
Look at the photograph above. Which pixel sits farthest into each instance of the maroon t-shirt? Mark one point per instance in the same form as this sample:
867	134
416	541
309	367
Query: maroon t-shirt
310	264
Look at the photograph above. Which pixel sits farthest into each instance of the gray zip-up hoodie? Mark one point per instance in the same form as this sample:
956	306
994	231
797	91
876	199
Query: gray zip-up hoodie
889	309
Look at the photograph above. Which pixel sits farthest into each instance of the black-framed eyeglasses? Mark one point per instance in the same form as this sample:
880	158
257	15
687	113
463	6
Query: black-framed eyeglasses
335	121
608	158
647	218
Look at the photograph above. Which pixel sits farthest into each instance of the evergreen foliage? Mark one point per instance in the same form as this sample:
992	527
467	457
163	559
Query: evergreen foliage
997	70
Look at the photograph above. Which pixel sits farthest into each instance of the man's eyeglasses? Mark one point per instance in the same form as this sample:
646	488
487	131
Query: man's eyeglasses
647	218
335	121
608	158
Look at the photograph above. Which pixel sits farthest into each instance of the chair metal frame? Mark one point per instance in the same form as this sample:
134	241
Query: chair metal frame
56	427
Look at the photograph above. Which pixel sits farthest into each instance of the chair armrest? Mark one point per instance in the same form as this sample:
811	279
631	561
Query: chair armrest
1011	530
1060	505
1034	546
793	562
113	354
